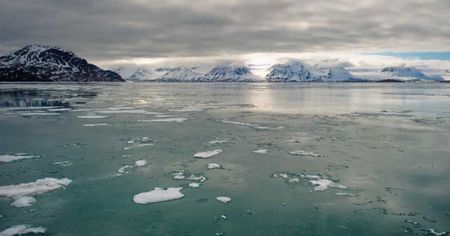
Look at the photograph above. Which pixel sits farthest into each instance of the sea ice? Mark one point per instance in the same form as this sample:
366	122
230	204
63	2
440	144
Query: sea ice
60	109
211	166
261	151
158	195
435	232
324	184
39	114
63	163
208	154
40	186
245	124
194	185
123	170
140	162
305	153
197	178
223	199
22	230
177	120
218	141
95	125
24	201
92	117
15	157
128	111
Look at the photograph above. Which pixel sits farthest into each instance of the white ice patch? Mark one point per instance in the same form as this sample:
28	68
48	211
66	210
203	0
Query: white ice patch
179	175
124	170
60	109
218	141
177	120
208	154
15	157
211	166
140	162
324	184
223	199
128	111
305	153
199	178
194	185
245	124
92	117
188	109
22	229
138	146
261	151
63	163
95	125
39	114
158	195
40	186
24	201
435	232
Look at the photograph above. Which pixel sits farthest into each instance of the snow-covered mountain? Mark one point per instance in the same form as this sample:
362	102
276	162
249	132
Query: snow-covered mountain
133	72
297	71
51	64
404	73
180	74
229	72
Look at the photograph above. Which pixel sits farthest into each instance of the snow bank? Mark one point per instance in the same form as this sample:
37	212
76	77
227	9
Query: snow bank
158	195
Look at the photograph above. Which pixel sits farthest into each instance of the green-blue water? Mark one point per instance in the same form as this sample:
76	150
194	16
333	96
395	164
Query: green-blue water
389	144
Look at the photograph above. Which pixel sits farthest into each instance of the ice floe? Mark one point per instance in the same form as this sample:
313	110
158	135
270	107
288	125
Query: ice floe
40	186
208	154
22	230
63	163
305	153
124	170
211	166
59	109
39	114
261	151
435	232
218	141
188	109
194	185
15	157
128	111
24	201
199	178
158	195
317	182
176	120
256	126
92	117
178	175
139	142
223	199
95	125
140	163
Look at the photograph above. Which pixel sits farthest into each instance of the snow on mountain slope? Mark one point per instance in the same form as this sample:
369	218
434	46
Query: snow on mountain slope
133	72
229	72
297	71
404	73
180	74
52	64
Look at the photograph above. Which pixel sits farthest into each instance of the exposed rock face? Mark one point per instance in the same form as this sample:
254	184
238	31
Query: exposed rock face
51	64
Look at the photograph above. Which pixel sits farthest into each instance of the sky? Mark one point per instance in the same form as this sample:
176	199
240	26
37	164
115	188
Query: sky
108	31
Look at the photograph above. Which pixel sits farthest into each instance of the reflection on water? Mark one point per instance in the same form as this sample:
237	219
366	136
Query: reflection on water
336	159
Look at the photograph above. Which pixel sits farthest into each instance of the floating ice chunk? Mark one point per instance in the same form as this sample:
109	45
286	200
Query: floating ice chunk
60	109
281	175
179	175
177	120
22	229
188	109
294	180
40	186
435	232
39	114
63	163
140	162
261	151
324	184
208	154
211	166
24	201
218	141
197	178
223	199
138	146
305	153
92	117
95	125
128	111
124	169
158	195
194	185
346	194
15	157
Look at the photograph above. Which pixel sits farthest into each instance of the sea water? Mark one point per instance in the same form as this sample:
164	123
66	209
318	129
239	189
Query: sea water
294	159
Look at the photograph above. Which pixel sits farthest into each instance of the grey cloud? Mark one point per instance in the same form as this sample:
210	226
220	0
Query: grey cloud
112	29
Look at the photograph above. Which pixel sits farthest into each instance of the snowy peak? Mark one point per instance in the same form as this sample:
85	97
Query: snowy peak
134	72
291	71
405	73
180	74
45	63
229	73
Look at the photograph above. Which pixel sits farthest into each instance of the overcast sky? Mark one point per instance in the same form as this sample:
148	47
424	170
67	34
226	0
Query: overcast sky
117	29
